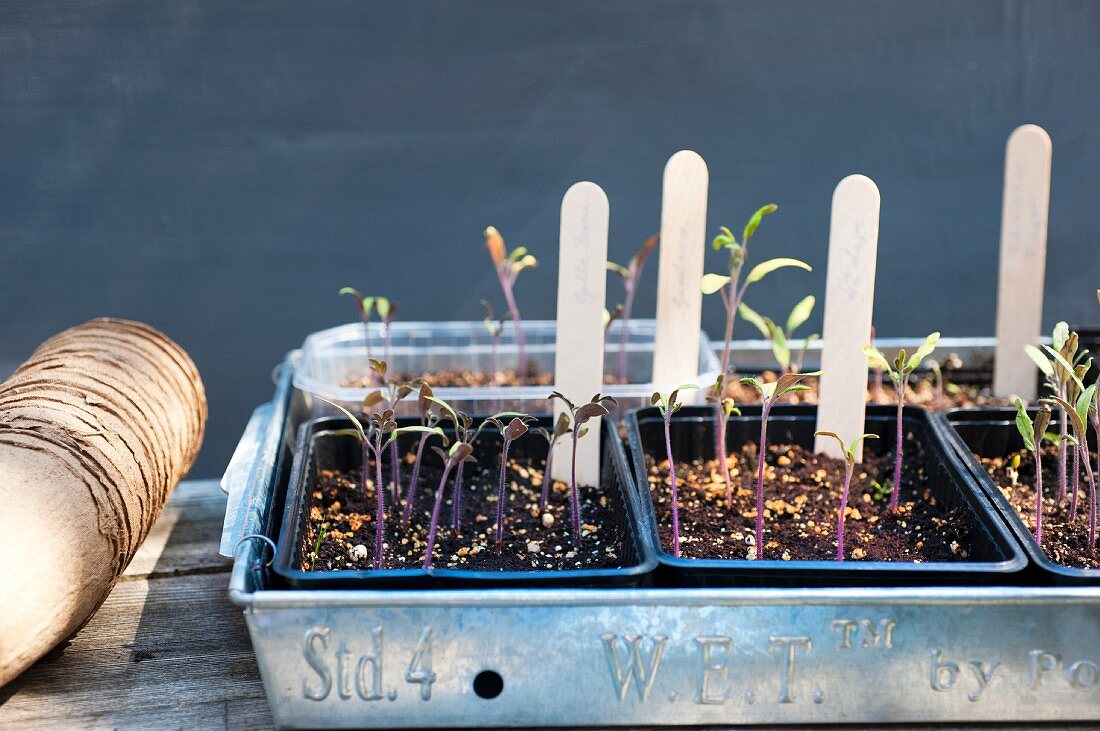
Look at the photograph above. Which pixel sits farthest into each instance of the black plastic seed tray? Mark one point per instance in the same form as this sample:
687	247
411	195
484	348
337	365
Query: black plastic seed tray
994	557
992	433
317	447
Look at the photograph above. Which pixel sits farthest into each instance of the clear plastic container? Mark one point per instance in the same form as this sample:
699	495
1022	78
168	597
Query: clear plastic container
331	359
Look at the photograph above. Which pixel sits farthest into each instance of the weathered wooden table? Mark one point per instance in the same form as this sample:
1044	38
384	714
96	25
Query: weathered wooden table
166	650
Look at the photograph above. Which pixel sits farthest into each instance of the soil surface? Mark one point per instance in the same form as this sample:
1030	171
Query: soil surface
464	379
472	379
802	494
1065	537
922	392
532	541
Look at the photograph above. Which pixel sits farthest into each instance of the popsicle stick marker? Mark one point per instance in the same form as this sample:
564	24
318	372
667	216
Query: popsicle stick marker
683	244
849	299
582	284
1023	260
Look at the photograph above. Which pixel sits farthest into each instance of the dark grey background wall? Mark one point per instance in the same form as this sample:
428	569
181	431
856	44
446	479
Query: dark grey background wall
221	169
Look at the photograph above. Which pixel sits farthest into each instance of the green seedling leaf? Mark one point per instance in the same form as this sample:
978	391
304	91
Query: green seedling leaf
352	291
765	268
1060	336
750	315
755	383
1086	401
800	313
1067	369
431	430
754	221
460	451
711	283
849	449
877	359
360	431
724	240
923	351
780	349
1041	361
1024	426
1078	421
618	269
668	399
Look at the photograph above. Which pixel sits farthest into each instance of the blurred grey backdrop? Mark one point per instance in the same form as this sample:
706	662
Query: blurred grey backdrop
221	169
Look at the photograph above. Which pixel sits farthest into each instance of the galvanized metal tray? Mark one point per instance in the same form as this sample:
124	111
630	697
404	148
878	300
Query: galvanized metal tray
570	657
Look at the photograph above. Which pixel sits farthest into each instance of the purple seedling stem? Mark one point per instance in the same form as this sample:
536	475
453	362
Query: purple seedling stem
406	514
667	416
1078	414
395	472
574	495
668	404
761	460
725	409
1091	477
433	525
631	274
899	430
849	451
1076	482
848	469
380	505
508	265
900	371
1062	451
578	416
547	480
1033	432
516	428
770	393
1038	497
458	453
729	286
456	501
723	459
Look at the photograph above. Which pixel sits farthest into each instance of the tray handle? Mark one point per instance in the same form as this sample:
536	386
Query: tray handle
237	476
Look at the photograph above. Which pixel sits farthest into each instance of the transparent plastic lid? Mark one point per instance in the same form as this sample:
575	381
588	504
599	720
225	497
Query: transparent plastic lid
334	362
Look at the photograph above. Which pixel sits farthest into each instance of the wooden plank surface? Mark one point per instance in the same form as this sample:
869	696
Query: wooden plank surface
168	651
165	651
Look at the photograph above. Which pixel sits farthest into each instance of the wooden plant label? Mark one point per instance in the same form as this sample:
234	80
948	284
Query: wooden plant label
680	269
849	298
1023	260
582	285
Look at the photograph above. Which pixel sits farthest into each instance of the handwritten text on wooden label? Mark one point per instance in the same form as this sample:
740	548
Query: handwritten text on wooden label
582	283
680	269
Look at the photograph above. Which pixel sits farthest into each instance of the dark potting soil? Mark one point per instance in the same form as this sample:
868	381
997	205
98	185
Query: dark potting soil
532	541
1065	536
463	378
802	493
922	392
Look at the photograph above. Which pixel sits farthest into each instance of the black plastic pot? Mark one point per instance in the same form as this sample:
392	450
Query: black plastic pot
996	559
317	447
992	433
